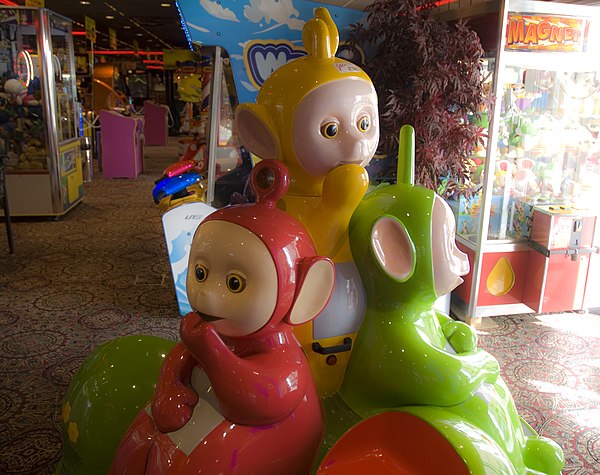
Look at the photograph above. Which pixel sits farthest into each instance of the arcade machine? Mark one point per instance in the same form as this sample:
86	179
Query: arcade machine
137	83
39	112
529	231
108	88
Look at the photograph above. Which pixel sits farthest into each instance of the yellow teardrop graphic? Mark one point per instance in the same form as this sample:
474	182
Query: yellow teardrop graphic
501	278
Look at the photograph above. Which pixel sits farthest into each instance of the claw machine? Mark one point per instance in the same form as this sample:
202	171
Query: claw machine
529	230
39	113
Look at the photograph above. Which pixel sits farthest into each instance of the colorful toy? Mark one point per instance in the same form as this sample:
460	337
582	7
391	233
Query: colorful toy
410	358
318	115
181	166
237	395
193	193
175	186
178	184
196	150
17	93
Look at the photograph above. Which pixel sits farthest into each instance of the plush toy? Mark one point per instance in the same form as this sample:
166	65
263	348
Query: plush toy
504	171
17	93
525	180
318	115
236	396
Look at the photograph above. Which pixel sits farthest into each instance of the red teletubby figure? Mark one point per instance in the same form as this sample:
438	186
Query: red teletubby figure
236	396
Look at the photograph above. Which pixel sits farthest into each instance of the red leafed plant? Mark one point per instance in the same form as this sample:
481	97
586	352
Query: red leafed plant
427	74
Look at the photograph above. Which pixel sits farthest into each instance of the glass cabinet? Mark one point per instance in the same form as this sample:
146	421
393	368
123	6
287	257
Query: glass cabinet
39	115
529	229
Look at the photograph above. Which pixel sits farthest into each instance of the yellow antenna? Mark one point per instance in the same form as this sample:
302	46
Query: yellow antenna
320	35
334	38
315	37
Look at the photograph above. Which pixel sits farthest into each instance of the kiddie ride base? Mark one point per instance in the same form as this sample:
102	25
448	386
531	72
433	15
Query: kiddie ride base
418	396
238	394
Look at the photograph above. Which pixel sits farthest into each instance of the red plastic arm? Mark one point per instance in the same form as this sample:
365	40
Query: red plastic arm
174	399
256	390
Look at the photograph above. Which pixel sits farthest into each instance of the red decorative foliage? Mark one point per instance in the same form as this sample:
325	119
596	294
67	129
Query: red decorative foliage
427	74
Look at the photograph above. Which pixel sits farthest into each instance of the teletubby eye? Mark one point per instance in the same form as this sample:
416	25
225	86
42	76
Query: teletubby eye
201	273
364	123
329	130
235	283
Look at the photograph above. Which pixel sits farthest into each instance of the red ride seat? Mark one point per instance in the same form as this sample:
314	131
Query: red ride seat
392	443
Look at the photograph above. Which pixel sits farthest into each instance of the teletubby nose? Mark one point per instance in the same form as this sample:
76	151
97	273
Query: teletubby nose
353	150
461	261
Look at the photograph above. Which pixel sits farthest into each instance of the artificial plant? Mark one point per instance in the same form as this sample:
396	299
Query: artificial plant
427	74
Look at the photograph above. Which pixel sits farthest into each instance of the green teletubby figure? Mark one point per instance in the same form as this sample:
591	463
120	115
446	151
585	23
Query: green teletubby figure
411	358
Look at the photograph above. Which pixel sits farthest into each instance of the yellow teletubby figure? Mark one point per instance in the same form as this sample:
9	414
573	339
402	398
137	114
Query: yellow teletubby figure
318	115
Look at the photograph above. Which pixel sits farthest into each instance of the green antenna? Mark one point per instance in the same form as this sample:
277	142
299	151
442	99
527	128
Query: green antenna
406	156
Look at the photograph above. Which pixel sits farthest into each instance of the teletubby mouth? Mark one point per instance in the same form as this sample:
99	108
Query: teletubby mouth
209	318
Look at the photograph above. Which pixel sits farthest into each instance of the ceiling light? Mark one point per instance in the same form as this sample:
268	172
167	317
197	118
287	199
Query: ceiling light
166	5
126	27
139	34
84	2
110	17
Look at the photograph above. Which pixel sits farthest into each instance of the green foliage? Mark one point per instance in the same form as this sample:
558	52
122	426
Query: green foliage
427	74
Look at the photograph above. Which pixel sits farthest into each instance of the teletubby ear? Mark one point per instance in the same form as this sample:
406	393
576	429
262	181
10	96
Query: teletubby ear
315	277
256	131
393	248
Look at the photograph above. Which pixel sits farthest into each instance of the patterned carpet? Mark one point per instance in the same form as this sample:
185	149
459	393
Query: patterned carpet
99	272
102	271
551	363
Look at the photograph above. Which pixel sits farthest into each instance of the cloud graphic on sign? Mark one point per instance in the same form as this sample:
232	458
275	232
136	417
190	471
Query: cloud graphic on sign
248	86
282	12
196	27
218	11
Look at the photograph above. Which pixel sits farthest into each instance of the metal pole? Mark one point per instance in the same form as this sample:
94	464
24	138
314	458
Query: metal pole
50	109
4	193
214	113
488	174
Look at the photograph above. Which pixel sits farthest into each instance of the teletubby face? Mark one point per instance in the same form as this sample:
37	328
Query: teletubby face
449	262
314	113
232	279
336	124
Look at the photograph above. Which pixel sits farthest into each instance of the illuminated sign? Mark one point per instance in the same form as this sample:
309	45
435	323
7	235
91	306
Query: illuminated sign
526	32
90	29
112	38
